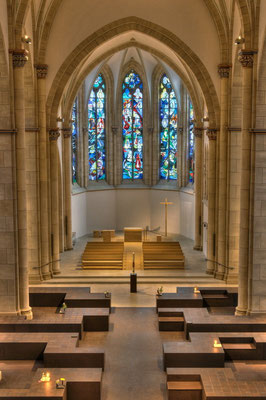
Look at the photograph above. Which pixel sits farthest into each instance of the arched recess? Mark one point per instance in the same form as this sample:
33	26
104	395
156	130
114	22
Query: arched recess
126	68
221	29
246	22
189	83
118	27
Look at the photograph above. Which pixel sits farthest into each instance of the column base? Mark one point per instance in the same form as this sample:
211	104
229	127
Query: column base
231	278
209	271
240	312
198	248
219	275
56	272
27	313
46	276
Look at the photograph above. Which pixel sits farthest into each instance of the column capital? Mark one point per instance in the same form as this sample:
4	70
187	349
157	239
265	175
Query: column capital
245	57
41	70
224	70
67	132
212	133
19	57
198	132
54	134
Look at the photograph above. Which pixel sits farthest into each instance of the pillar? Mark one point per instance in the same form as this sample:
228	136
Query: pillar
67	134
53	136
246	59
212	134
224	71
19	58
198	187
41	70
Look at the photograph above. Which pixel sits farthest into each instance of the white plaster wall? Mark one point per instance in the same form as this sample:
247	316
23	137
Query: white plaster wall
116	209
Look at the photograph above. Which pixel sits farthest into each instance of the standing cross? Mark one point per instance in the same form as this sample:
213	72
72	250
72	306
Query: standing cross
166	203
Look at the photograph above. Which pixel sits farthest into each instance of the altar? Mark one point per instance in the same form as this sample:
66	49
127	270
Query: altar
133	234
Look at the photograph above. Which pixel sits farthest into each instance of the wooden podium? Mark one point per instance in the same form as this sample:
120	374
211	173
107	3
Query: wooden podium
133	234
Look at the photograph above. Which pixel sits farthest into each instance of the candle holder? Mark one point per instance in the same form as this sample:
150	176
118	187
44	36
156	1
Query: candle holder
60	383
107	294
196	290
216	344
46	377
63	308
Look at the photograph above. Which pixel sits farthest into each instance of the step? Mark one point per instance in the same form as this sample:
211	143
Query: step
239	346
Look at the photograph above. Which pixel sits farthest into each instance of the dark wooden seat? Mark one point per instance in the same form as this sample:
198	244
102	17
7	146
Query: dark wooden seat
172	323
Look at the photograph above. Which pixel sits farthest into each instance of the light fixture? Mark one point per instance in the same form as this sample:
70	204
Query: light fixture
239	40
196	290
26	39
46	377
60	383
216	344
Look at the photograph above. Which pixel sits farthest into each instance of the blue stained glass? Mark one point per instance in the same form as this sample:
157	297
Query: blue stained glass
96	129
191	144
74	140
132	113
168	130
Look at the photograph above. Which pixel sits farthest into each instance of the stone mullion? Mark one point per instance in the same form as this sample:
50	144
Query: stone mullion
184	149
19	58
43	167
224	71
198	188
54	160
67	134
246	59
80	148
211	133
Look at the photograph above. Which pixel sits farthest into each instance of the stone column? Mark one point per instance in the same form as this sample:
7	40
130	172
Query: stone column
246	59
181	156
198	187
41	70
212	134
67	133
53	136
114	132
19	58
224	72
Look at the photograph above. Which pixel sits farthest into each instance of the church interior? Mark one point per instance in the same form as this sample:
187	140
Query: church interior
133	199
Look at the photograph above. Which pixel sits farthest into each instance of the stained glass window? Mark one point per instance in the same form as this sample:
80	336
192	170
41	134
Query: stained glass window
168	130
74	140
96	129
191	145
132	113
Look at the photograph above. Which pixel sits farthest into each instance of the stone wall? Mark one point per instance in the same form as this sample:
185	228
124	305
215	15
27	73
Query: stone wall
258	298
7	231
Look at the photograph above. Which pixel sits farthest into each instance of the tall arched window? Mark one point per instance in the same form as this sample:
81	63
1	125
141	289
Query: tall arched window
168	130
132	113
74	140
96	129
191	145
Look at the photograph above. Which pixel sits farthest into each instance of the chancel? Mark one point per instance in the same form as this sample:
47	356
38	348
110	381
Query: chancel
132	199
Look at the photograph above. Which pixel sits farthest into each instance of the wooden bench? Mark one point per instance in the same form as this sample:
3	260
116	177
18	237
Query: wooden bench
80	384
56	349
184	390
103	255
171	323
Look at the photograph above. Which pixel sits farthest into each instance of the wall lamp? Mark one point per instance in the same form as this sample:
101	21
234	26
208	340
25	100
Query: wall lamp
26	39
239	40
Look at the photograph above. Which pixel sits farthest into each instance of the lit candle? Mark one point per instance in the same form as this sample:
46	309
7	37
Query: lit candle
196	290
216	344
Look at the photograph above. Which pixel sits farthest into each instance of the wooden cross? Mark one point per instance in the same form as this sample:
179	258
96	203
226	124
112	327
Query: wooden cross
166	203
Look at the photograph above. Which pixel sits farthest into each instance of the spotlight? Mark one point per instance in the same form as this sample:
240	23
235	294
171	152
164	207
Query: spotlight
239	40
26	39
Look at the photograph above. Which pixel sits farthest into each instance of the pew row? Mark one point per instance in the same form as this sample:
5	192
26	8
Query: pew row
80	384
57	350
